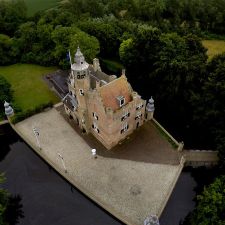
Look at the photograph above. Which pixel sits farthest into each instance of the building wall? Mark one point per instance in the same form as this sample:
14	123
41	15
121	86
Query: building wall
105	124
109	123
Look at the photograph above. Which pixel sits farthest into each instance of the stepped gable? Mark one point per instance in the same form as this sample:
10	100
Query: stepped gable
111	91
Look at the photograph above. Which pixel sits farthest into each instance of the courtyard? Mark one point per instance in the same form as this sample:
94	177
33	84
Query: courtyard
131	181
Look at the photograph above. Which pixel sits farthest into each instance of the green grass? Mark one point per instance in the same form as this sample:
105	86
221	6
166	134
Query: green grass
111	66
164	135
214	47
29	89
34	6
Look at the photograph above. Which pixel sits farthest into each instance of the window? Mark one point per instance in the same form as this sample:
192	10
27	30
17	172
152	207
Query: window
95	127
121	100
139	106
138	116
94	114
125	115
81	92
125	127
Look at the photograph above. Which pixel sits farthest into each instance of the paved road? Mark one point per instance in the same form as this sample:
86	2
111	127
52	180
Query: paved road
46	197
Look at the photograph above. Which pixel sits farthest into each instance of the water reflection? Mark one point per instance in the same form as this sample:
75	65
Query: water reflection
7	137
40	195
183	199
14	211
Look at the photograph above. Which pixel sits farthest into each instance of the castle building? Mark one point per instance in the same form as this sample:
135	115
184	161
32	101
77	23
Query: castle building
102	104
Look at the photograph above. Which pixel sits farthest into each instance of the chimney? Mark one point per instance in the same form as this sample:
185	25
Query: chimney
96	65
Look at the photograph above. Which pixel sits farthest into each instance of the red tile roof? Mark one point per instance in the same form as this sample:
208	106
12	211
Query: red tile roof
114	89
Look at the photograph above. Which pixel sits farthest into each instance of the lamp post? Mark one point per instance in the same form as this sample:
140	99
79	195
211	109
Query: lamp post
36	134
93	152
61	157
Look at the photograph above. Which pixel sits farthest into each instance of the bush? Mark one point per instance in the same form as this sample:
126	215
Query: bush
20	115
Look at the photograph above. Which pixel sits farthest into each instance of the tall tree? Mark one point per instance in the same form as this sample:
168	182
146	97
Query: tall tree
210	205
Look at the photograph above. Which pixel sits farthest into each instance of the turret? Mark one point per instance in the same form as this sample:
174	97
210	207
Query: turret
8	109
96	65
79	68
150	108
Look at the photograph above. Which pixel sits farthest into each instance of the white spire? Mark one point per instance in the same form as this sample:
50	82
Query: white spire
80	64
150	106
8	109
79	57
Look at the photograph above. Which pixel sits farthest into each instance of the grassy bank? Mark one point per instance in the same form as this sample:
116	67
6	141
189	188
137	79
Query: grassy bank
29	89
111	66
214	47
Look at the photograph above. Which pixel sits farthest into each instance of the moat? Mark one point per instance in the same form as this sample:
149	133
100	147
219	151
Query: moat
47	198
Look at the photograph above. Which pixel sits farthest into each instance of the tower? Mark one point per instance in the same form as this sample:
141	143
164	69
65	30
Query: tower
79	86
150	108
8	109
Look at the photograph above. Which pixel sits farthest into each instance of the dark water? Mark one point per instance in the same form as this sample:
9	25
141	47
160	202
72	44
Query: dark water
181	201
42	196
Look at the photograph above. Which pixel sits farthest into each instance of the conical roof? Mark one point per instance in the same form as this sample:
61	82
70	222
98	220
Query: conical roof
6	104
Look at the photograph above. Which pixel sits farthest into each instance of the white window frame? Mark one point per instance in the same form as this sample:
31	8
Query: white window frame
95	115
125	115
81	91
139	106
138	115
120	99
95	127
124	127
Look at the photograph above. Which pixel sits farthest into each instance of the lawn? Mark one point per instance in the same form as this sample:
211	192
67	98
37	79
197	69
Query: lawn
214	47
111	66
30	90
36	5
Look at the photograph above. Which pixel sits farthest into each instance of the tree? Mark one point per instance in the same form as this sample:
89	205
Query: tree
210	205
107	32
10	206
5	48
169	67
4	197
81	7
12	14
69	38
209	104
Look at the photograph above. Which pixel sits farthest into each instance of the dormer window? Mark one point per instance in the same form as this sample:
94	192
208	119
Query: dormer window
121	100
